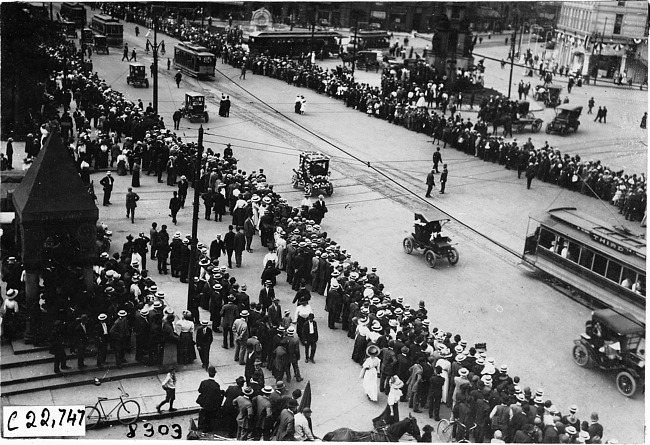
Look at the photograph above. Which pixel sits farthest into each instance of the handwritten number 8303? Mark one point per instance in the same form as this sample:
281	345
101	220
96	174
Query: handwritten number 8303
163	430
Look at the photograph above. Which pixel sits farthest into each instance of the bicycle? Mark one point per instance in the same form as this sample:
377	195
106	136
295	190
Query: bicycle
446	429
128	411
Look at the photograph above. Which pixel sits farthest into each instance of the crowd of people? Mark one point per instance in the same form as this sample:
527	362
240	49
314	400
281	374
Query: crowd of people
398	349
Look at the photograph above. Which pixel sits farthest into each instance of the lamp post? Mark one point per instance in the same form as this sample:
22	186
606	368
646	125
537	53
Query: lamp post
512	57
354	47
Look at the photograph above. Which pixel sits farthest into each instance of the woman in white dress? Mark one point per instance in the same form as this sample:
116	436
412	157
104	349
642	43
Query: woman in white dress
281	245
443	362
369	372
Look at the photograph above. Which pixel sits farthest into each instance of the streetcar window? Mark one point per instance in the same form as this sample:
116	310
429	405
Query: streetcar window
614	271
600	264
546	239
628	279
573	252
587	258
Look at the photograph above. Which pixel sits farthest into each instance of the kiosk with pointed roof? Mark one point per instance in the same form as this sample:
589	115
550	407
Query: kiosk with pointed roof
56	217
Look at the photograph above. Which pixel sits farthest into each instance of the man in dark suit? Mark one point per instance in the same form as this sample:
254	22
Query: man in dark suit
267	295
310	338
203	342
210	399
142	330
321	207
431	182
107	182
230	413
229	243
274	311
443	178
81	338
403	365
333	304
101	336
240	245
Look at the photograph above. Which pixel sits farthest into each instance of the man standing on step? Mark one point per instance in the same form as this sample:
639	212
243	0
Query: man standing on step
101	334
81	338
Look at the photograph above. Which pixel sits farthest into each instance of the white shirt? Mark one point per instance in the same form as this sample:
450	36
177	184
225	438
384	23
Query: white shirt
302	430
302	311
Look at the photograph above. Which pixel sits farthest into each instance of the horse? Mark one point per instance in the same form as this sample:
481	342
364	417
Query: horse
391	433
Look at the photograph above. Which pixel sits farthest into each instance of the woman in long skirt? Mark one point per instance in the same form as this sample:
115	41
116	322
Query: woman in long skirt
446	366
360	341
390	414
185	352
121	164
135	179
369	372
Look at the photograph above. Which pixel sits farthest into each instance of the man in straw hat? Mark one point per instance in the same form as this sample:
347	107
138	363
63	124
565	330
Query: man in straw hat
120	336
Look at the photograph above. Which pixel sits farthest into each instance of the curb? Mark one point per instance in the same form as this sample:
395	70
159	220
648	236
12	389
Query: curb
153	416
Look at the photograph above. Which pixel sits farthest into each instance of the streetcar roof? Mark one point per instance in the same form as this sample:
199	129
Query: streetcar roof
136	64
614	241
622	323
293	34
105	18
193	94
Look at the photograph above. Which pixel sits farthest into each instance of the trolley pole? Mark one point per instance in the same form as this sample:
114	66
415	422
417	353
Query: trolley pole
195	219
512	55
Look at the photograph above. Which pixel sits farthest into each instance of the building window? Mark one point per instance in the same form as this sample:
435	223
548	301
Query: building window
618	23
621	3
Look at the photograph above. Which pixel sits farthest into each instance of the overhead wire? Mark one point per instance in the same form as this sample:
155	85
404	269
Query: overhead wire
369	165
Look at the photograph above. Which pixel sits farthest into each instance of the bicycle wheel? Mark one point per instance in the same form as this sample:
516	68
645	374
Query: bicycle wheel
128	412
444	431
93	417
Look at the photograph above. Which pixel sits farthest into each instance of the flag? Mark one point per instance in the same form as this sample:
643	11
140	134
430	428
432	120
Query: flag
305	400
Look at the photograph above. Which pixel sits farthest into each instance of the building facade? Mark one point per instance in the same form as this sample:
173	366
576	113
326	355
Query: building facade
604	38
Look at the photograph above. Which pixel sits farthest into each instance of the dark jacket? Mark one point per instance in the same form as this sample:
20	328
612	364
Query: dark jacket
229	240
210	395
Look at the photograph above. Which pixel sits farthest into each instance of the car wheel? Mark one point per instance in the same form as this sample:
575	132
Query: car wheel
548	129
146	83
295	182
537	126
581	355
407	244
206	116
329	190
308	189
626	383
430	257
453	256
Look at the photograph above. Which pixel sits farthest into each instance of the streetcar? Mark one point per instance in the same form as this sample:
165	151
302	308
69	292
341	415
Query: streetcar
602	264
74	12
194	60
370	39
109	27
293	44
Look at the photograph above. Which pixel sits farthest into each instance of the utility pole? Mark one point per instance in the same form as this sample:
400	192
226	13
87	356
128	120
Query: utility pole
600	51
51	12
312	54
512	55
155	46
354	48
195	219
521	35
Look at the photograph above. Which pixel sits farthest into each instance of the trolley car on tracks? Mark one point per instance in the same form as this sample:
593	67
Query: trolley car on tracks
601	263
194	60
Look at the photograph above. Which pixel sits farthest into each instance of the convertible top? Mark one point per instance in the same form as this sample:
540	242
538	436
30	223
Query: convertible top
623	323
568	107
433	215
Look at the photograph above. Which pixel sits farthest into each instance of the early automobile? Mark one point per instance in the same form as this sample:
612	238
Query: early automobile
194	107
100	44
313	173
87	36
137	75
566	117
526	117
69	28
614	341
550	95
369	60
426	236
